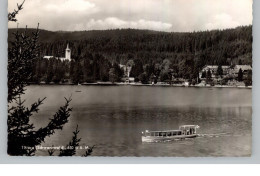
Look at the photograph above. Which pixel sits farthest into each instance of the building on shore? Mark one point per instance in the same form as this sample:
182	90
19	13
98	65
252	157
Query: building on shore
126	77
227	70
245	69
67	55
214	69
229	75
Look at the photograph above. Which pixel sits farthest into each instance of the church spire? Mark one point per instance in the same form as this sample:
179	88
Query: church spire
68	53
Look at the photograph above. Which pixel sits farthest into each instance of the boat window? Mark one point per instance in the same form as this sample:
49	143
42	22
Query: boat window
179	133
169	133
162	134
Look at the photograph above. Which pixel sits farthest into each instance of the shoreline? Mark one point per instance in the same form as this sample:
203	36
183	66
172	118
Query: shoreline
139	84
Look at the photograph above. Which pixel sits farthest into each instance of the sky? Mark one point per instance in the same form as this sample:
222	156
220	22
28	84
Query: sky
159	15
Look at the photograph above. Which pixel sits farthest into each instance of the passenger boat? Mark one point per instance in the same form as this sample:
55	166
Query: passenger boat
185	131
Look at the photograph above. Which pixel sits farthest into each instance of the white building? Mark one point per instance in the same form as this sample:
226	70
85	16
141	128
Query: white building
47	57
67	55
126	78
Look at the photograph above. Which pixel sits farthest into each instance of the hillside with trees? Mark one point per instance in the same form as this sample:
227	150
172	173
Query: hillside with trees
152	54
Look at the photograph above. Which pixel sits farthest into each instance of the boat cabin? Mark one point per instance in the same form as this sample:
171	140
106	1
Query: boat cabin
188	129
162	133
183	130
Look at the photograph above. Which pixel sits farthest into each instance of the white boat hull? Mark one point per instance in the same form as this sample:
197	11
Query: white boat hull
166	138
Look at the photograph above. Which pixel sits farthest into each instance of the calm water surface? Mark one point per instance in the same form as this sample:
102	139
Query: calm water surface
112	118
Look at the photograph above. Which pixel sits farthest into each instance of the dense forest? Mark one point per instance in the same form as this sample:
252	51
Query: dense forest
96	55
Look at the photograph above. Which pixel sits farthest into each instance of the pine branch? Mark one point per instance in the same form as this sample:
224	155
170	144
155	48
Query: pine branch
89	151
71	147
19	116
57	122
12	15
21	133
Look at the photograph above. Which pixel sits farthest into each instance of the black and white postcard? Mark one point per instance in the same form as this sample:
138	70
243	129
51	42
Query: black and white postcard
158	78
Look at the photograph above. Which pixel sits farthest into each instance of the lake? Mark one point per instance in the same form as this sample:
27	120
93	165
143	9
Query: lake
112	118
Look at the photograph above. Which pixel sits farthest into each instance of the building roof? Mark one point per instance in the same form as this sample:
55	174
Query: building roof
211	66
243	67
163	131
47	57
215	67
197	126
61	58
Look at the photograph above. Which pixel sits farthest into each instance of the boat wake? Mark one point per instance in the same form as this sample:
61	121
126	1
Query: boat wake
214	135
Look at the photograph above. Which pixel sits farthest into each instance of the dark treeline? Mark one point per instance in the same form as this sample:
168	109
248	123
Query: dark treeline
152	55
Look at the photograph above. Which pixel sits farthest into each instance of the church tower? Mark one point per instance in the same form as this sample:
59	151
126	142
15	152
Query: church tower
67	53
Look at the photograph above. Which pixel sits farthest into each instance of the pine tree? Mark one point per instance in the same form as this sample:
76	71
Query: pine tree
208	76
204	73
137	68
22	136
112	75
248	80
240	75
220	71
118	71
